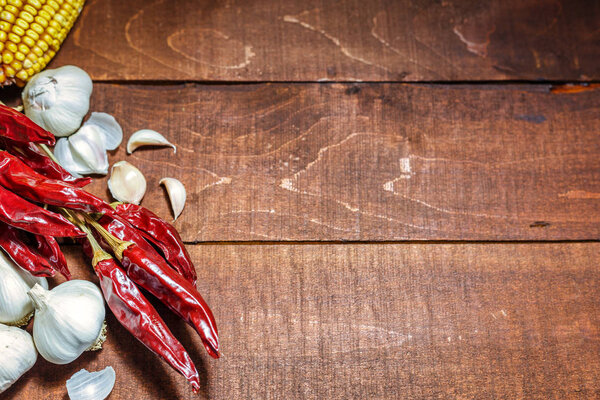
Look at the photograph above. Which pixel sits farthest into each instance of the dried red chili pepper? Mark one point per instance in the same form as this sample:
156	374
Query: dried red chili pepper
12	241
16	126
149	270
37	160
20	213
140	318
48	247
162	234
19	178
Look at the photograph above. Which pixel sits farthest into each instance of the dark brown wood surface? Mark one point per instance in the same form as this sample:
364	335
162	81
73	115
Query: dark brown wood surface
368	161
450	194
349	40
414	321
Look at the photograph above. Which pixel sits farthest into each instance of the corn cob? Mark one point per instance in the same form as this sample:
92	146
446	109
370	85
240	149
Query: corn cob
31	32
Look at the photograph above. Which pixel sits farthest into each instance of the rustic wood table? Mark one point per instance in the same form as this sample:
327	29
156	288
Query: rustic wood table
386	199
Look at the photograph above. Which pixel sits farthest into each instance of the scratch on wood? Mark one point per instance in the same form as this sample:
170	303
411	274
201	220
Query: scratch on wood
580	194
478	48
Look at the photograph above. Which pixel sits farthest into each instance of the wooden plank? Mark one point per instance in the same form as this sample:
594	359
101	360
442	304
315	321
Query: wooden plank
374	321
370	161
344	40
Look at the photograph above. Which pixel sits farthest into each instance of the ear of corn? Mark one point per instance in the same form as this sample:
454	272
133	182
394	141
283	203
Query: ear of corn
31	32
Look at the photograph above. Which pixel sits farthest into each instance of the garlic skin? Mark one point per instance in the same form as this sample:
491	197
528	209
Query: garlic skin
17	355
147	137
58	99
177	195
107	127
69	319
15	305
127	183
85	385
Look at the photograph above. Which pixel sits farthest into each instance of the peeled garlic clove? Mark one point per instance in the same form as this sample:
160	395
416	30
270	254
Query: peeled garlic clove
177	195
58	99
107	127
84	385
147	137
87	148
62	152
69	319
15	306
127	183
17	355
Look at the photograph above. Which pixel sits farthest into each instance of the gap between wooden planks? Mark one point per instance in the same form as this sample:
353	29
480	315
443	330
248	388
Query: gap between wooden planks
368	162
343	40
372	321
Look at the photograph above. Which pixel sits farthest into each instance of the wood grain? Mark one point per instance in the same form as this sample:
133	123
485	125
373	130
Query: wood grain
368	161
344	40
420	321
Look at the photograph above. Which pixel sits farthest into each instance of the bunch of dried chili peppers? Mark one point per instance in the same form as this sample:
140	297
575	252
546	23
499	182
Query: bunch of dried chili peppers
129	245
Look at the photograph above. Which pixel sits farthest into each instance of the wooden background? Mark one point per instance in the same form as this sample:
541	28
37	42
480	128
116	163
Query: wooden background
386	199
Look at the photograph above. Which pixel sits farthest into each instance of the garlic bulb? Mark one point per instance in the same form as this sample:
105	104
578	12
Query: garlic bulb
147	137
17	355
127	183
177	195
69	320
58	99
85	385
15	306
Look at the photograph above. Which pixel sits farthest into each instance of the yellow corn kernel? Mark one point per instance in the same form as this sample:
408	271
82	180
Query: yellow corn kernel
41	20
3	37
32	34
17	30
30	9
22	75
37	67
23	48
20	22
2	76
19	56
37	28
10	72
37	51
35	3
27	63
15	3
17	65
42	45
28	41
7	16
11	46
14	38
30	71
5	26
26	16
1	48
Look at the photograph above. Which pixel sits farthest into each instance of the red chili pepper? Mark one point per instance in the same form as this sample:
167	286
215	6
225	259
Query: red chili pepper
163	235
17	212
31	155
12	241
149	270
140	318
19	178
48	247
16	126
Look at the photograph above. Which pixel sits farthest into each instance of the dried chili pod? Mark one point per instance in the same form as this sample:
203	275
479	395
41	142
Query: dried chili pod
149	270
139	317
20	213
16	126
48	248
12	241
35	158
19	178
162	234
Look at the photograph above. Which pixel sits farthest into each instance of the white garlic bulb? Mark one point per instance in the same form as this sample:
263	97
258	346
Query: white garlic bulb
177	194
58	99
69	320
15	306
17	355
127	183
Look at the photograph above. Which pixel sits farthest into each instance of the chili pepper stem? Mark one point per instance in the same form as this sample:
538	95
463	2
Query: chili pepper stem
118	246
98	253
48	152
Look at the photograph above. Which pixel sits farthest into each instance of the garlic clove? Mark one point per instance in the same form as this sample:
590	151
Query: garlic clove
147	137
62	152
108	128
84	385
69	319
58	99
87	148
15	306
177	194
127	183
17	355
